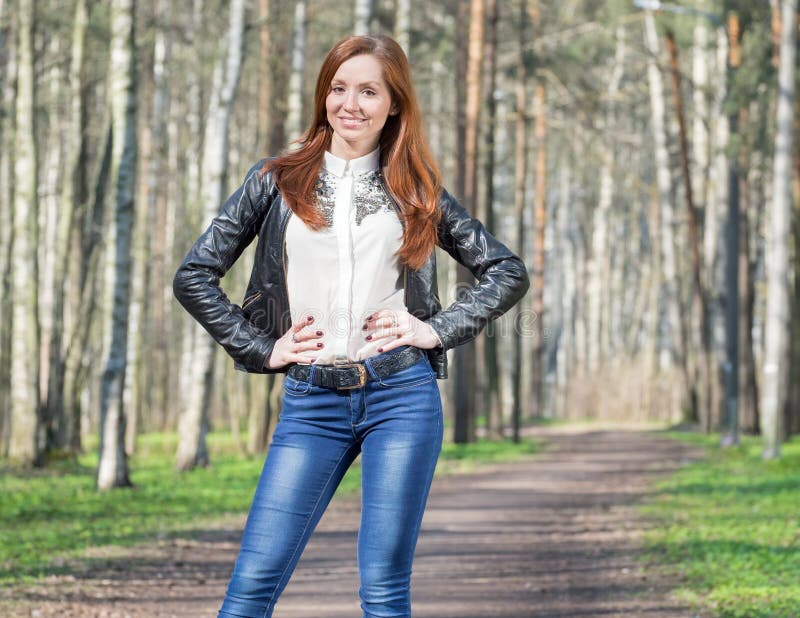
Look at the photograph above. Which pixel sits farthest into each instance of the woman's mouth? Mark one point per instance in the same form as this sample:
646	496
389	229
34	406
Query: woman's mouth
352	122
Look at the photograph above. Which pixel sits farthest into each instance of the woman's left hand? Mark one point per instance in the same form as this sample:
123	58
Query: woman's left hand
399	328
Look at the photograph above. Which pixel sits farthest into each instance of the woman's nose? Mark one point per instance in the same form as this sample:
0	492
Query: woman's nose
351	102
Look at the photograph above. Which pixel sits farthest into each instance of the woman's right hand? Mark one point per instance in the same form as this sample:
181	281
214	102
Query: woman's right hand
301	337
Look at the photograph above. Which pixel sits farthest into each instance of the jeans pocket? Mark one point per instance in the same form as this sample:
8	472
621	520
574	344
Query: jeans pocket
418	373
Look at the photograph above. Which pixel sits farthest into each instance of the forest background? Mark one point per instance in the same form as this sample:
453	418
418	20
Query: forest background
644	164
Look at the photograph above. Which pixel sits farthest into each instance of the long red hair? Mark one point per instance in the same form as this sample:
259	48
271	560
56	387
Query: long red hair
412	176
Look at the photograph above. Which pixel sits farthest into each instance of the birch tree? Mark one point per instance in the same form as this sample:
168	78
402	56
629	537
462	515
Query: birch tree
520	178
112	468
669	288
295	112
779	215
8	69
73	195
363	15
194	419
402	25
26	436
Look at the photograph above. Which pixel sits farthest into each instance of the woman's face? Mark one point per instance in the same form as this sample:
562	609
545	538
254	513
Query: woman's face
358	104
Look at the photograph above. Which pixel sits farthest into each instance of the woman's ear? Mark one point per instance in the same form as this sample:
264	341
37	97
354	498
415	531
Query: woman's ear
394	110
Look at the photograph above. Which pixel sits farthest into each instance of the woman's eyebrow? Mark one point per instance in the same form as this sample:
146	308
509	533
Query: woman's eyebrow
369	83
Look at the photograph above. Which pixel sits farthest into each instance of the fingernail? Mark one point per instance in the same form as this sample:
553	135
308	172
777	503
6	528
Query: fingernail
380	349
310	318
369	337
399	335
319	344
364	327
319	332
369	318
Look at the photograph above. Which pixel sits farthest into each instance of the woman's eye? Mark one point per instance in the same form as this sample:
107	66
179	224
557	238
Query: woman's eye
369	92
337	89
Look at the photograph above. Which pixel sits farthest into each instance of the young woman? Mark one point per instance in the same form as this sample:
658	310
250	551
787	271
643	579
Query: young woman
343	299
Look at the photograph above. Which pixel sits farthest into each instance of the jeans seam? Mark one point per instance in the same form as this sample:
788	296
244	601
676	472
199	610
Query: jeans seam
271	604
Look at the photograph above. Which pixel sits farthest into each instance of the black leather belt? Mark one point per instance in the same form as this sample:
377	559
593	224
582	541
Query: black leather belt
354	374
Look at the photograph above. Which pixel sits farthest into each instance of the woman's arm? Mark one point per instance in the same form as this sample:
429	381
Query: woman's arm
502	276
196	282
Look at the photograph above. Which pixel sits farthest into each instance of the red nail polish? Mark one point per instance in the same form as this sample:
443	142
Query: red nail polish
380	349
369	318
399	335
310	318
369	337
364	327
319	332
320	344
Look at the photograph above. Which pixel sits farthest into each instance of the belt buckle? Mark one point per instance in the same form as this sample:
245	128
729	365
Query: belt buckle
362	373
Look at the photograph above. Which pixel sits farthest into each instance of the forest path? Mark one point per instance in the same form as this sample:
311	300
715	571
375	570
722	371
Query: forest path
554	536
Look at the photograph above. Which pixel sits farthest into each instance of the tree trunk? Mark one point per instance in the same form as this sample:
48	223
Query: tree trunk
465	354
194	419
158	378
112	470
26	428
539	226
363	15
492	401
714	250
773	397
599	265
265	75
402	25
670	351
520	172
50	220
295	112
8	71
74	193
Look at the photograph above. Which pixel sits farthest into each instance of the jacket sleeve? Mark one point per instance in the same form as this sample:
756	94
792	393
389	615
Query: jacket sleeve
196	282
502	276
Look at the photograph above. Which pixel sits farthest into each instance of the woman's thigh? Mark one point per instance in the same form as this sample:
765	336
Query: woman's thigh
400	447
308	455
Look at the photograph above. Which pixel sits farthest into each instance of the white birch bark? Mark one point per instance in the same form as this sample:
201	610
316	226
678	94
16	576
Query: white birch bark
716	203
63	318
402	25
112	470
363	15
25	439
566	252
669	288
778	275
700	118
50	215
194	418
8	69
598	267
294	120
191	188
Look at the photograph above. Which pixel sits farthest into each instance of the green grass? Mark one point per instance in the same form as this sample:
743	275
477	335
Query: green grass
49	516
730	525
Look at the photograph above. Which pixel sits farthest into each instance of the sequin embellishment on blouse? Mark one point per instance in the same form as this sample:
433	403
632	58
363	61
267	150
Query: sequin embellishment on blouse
369	196
325	190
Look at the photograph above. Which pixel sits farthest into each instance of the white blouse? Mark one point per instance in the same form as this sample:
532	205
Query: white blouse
342	274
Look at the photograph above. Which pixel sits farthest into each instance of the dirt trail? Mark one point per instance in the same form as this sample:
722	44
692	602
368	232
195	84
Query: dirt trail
555	536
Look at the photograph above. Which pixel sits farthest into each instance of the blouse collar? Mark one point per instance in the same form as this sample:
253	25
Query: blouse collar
366	163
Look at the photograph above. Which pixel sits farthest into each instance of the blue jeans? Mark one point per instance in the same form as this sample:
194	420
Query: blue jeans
396	424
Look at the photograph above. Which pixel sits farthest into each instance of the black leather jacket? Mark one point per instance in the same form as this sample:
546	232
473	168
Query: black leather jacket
248	332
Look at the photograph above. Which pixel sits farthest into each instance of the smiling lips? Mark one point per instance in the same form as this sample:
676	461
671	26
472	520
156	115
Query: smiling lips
351	122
